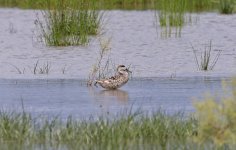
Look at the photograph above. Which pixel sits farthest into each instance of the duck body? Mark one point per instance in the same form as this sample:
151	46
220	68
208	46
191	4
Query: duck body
116	81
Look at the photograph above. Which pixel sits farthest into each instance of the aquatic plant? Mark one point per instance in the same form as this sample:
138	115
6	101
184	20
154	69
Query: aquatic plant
128	131
99	70
64	69
12	28
217	119
103	4
205	58
171	16
193	5
19	70
69	23
199	5
227	6
41	69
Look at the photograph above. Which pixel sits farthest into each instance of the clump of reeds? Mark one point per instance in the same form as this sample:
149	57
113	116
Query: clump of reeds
206	63
69	22
18	69
99	70
41	69
38	68
227	6
171	15
199	5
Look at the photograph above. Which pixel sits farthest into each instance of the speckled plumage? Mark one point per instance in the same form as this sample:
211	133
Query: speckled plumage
116	81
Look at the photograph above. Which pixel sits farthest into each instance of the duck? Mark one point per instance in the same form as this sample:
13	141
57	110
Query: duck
116	81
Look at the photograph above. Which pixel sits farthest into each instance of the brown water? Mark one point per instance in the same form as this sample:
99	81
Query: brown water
135	40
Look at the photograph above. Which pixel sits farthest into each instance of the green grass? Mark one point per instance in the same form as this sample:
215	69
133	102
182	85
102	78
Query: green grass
174	14
104	4
224	6
217	118
193	5
227	6
72	22
134	131
69	23
206	62
171	15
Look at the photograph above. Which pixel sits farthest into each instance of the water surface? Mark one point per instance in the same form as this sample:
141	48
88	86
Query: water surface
73	97
135	40
164	70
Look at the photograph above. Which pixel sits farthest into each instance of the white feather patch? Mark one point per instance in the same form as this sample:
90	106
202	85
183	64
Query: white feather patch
106	81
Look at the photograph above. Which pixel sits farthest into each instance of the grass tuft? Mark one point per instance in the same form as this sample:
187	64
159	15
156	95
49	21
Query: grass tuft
41	69
101	68
130	131
205	62
227	6
69	23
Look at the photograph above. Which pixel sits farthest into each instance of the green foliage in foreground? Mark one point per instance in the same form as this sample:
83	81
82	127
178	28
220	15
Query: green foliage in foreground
217	120
132	131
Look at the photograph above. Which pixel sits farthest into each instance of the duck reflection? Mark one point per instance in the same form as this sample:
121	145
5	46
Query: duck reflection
117	94
120	95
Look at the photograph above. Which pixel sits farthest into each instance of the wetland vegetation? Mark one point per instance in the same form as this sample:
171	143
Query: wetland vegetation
72	22
187	5
206	62
67	23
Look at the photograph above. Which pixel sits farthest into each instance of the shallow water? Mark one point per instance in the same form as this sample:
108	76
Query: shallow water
73	97
135	40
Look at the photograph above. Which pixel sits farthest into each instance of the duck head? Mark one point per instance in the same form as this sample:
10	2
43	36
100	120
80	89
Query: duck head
121	69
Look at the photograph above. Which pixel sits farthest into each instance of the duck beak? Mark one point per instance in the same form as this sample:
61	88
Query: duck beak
128	70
